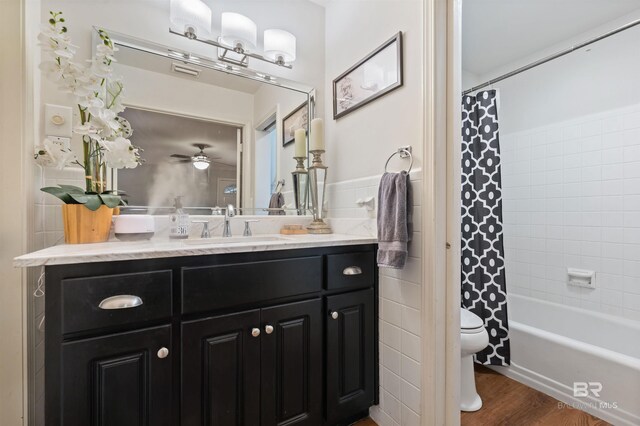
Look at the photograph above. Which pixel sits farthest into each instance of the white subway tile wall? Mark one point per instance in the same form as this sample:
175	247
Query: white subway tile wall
400	303
48	232
571	198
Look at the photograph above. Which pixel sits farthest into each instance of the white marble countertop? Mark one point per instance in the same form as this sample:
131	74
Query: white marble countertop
163	247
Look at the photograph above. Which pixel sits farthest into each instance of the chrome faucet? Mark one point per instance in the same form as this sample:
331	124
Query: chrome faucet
228	213
205	228
247	227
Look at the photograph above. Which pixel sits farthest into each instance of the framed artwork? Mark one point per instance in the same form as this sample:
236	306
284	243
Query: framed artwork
374	76
297	119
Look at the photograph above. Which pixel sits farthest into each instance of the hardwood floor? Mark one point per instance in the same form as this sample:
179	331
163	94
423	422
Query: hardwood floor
507	402
365	422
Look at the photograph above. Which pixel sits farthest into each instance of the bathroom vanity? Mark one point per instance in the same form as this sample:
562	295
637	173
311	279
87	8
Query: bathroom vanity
262	335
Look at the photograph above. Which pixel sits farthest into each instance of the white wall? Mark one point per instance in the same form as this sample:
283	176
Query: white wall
358	145
587	82
13	219
570	141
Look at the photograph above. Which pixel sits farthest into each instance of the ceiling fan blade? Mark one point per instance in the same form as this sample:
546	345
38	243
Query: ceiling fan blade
180	156
180	161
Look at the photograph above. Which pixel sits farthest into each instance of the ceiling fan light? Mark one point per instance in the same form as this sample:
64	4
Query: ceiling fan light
193	17
238	32
201	162
279	46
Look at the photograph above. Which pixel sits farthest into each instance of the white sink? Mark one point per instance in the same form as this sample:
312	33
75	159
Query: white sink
234	240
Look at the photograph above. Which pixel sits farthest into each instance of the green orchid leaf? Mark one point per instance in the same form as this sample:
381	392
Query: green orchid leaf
71	189
91	201
59	193
110	200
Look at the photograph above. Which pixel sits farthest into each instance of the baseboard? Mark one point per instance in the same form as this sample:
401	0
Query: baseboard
564	394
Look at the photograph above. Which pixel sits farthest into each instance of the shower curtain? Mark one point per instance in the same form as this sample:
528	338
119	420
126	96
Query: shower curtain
483	274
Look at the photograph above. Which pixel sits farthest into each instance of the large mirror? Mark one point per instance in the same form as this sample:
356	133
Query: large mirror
212	133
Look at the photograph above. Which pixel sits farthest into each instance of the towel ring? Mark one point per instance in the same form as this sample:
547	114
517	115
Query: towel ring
400	151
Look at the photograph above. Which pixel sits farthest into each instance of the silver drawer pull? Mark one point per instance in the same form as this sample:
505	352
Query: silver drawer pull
123	301
352	270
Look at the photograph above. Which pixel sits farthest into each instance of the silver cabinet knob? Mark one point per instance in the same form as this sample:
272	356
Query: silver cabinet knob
268	329
334	315
255	332
163	353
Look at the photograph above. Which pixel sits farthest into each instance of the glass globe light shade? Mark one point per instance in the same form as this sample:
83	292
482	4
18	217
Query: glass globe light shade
193	17
201	162
279	46
238	32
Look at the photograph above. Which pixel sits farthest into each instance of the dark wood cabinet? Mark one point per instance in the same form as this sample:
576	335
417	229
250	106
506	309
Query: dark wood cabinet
292	364
118	380
237	339
351	345
221	370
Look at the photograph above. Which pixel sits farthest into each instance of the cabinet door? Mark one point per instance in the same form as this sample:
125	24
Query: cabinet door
292	364
351	344
221	371
118	380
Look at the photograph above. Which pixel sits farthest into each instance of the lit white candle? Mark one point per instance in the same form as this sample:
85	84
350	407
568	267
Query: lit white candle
316	141
301	143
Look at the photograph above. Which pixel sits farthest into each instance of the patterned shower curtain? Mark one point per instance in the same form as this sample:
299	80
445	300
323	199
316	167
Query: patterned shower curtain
483	274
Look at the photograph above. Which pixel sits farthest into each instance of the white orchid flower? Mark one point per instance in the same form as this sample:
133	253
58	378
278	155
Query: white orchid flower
120	154
53	154
98	95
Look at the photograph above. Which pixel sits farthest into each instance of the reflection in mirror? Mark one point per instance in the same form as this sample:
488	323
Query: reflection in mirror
212	137
184	156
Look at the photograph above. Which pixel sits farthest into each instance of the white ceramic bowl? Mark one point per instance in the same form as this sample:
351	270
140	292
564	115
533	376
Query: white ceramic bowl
134	227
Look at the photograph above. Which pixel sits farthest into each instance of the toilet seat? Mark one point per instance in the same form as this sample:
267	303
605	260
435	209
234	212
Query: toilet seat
470	323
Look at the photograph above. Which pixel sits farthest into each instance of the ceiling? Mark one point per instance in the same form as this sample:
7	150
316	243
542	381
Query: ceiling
150	62
161	135
498	32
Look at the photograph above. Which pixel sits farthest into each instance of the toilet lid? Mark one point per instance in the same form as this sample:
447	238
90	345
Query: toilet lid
469	320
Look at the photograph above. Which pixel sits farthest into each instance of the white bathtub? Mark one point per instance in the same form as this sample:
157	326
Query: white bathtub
553	346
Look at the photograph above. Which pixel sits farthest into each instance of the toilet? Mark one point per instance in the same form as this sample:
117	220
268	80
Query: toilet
473	338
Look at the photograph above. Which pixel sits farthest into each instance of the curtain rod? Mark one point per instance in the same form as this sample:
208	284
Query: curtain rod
554	56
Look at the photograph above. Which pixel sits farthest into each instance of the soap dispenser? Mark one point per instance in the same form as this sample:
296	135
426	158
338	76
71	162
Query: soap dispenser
179	221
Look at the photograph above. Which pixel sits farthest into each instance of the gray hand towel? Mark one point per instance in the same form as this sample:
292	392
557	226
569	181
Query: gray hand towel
276	202
394	219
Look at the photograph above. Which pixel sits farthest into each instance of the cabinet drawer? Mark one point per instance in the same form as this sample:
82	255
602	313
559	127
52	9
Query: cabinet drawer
224	286
350	270
101	302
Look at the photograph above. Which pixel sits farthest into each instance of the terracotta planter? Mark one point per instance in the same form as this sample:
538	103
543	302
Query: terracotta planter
82	225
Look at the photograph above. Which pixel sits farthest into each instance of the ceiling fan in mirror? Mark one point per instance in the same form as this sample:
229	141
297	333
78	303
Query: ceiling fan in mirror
200	160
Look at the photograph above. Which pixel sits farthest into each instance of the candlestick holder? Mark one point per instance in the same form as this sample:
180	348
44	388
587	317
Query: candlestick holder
317	183
300	185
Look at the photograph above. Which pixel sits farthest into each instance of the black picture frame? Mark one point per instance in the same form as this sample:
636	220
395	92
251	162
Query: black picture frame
289	138
396	39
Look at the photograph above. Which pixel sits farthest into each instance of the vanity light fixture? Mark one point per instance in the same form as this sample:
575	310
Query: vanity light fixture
191	16
239	33
279	46
238	39
201	162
